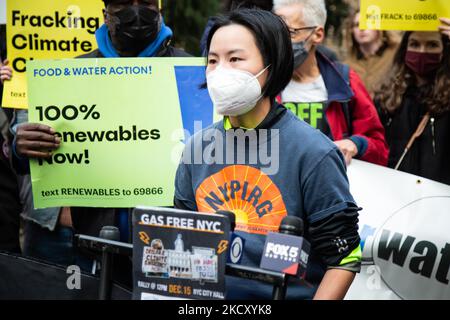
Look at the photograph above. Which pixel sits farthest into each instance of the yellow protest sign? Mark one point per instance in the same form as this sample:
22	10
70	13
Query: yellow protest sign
46	29
413	15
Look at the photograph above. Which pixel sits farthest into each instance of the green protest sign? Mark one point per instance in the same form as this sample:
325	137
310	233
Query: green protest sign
121	126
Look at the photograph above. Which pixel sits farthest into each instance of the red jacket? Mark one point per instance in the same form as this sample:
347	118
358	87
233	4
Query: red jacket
349	102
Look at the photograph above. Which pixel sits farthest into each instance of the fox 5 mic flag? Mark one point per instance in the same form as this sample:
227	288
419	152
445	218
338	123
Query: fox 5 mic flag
286	254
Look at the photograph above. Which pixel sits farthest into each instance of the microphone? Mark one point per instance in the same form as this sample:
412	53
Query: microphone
237	243
287	251
292	226
231	216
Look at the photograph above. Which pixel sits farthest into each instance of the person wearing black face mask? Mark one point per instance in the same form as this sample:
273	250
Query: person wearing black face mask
415	101
133	28
328	95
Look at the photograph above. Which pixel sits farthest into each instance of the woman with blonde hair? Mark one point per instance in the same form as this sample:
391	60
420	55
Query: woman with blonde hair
369	52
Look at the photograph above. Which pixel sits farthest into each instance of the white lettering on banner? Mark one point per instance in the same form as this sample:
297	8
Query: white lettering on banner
209	225
152	220
182	223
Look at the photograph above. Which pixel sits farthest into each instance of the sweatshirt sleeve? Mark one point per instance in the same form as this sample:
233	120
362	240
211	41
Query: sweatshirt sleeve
332	213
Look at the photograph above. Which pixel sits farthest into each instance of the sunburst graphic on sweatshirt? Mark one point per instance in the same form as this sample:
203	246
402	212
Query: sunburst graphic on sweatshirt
246	191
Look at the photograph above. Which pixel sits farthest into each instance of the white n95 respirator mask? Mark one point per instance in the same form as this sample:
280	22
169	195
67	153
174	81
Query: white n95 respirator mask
233	92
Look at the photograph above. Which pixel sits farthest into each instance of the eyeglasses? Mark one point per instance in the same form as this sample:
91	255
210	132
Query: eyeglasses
296	31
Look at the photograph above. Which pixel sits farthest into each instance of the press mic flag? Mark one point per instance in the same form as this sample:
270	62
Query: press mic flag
287	251
237	243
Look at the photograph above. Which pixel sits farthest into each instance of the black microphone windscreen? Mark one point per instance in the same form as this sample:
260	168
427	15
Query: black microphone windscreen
292	225
231	216
110	233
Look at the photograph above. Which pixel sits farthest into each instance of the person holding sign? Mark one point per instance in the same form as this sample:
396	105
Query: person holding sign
133	28
224	167
414	104
10	206
329	96
5	71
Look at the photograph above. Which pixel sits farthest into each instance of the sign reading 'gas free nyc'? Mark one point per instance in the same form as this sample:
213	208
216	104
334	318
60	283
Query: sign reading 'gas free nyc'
46	29
412	15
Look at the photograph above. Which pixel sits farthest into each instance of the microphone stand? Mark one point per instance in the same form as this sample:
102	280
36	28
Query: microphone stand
107	248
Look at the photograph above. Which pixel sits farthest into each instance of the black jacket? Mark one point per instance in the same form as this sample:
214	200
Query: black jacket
429	156
90	221
10	206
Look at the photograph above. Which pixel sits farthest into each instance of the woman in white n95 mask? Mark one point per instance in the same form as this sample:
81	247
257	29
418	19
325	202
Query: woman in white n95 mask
263	163
236	75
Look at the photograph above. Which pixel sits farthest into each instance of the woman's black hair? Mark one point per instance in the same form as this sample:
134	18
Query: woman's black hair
272	39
